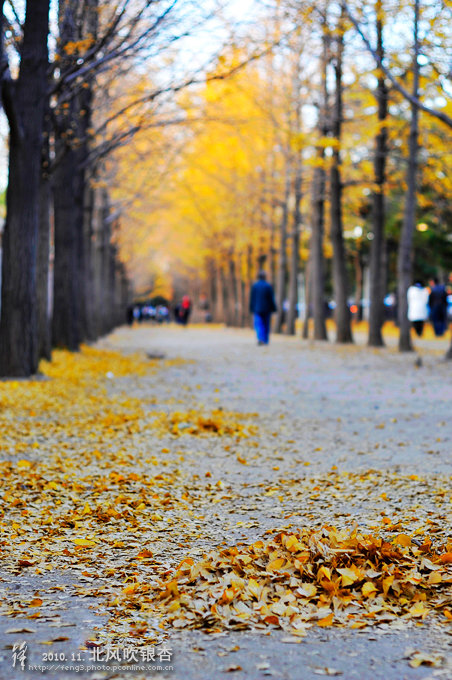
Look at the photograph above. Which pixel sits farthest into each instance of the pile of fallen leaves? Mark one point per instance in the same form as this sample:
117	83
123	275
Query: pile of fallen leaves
218	422
93	481
292	581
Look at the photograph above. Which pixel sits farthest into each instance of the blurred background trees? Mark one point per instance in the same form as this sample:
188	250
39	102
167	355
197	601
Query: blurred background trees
180	149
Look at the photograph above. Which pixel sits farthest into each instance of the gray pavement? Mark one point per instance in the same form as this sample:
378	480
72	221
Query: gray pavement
367	422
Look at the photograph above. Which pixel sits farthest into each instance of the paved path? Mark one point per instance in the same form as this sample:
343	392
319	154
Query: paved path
335	435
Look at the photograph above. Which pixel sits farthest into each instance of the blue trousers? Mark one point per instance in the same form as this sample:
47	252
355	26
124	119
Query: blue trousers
262	327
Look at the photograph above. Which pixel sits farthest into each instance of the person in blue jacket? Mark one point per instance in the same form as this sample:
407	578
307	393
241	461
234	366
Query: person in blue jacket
437	302
262	306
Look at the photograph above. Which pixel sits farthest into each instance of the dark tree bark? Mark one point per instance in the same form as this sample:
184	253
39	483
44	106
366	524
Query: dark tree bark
72	317
404	262
377	281
90	331
43	260
24	103
317	260
66	295
340	283
105	302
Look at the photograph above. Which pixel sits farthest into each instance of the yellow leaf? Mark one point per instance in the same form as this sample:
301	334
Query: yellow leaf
83	542
23	464
348	576
324	571
434	578
403	540
292	544
254	587
368	589
418	610
277	564
307	590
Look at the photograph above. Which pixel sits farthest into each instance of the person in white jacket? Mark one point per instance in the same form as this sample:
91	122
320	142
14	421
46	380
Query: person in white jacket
418	306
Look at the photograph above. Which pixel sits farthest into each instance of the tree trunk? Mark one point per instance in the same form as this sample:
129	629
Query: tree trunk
317	261
404	262
212	292
96	261
105	275
219	306
377	284
43	268
18	325
317	278
224	296
358	282
295	253
297	189
84	117
308	296
90	332
232	292
248	284
72	321
66	283
342	312
282	253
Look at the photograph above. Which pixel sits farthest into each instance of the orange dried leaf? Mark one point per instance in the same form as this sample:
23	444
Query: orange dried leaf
446	558
35	602
327	621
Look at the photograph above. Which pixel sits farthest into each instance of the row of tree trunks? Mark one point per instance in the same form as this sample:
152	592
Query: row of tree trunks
19	345
51	218
228	289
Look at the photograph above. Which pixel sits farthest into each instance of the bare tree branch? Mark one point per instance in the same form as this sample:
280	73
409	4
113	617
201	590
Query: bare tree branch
440	115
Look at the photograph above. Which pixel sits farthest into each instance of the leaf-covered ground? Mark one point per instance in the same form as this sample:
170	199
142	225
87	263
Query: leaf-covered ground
226	488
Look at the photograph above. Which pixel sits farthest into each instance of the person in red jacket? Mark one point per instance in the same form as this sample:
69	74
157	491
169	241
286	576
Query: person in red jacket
185	310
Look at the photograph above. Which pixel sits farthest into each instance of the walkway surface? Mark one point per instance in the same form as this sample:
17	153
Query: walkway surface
240	441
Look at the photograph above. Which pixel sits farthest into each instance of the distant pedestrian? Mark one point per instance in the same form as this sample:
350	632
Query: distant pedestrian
130	317
262	305
418	306
185	310
438	306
